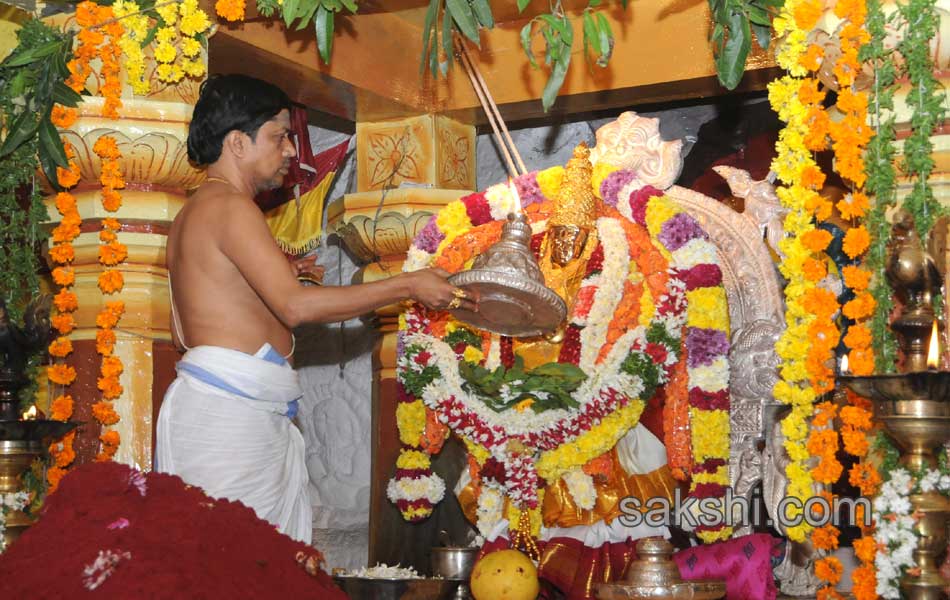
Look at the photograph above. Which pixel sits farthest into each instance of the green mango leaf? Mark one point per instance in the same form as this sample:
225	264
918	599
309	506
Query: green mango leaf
323	23
464	19
50	142
526	43
523	4
350	5
730	64
763	35
483	12
758	15
428	27
288	11
32	55
447	46
591	35
306	15
65	95
555	81
21	130
606	40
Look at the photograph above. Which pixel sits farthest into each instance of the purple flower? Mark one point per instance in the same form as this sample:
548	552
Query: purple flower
430	237
703	346
679	230
528	189
612	184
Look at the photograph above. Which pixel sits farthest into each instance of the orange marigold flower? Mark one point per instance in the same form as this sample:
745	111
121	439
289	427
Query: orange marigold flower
825	538
61	374
61	408
865	549
104	412
854	441
861	361
112	253
110	438
856	416
853	205
828	593
65	301
810	92
62	254
111	223
107	319
53	476
106	147
862	306
856	278
105	341
824	413
821	302
807	14
812	177
819	125
858	336
865	477
111	281
107	236
111	366
230	10
812	58
111	199
856	241
829	569
64	277
815	270
65	203
61	347
66	231
68	177
63	117
110	387
864	583
816	240
823	442
63	323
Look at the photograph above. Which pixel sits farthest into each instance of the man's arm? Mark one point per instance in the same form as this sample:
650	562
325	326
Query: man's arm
248	243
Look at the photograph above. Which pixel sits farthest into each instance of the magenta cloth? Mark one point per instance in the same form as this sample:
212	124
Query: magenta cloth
744	563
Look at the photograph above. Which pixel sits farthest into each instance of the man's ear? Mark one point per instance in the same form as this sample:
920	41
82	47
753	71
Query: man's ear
237	143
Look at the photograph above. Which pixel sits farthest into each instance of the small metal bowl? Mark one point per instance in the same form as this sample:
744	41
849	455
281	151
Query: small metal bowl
370	588
453	562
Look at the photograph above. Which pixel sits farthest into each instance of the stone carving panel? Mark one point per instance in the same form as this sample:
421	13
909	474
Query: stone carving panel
634	142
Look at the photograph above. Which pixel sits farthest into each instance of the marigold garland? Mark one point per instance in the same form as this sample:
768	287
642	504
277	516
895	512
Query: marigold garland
99	37
60	373
111	253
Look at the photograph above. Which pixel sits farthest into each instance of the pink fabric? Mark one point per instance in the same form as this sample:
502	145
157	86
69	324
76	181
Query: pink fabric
744	563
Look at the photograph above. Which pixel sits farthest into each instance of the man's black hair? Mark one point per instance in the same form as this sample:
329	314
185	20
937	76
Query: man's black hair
226	103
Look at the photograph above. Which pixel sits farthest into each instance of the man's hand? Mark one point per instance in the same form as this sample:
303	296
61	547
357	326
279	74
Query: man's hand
429	286
306	269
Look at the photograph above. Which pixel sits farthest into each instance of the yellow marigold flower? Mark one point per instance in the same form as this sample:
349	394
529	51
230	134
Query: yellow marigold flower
190	47
411	421
549	180
194	23
193	68
165	52
710	434
524	405
708	308
168	13
412	459
473	355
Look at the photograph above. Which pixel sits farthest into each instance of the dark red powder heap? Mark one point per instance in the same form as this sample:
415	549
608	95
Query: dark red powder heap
180	544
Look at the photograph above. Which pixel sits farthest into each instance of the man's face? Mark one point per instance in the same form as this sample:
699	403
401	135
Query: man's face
272	150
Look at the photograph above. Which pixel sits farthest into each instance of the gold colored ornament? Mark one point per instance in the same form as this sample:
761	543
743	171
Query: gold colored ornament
574	211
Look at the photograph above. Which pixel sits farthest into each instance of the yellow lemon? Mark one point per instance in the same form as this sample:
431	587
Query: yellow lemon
505	575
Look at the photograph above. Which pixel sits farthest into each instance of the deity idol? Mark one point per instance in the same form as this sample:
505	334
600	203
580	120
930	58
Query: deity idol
561	429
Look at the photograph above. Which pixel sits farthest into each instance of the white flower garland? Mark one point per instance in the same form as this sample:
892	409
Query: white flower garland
9	503
581	487
616	267
428	487
896	526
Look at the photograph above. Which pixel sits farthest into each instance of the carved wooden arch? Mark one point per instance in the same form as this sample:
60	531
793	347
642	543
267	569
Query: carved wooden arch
757	315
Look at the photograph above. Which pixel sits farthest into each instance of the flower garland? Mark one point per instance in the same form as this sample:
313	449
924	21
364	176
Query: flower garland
618	343
10	502
62	253
111	253
856	423
810	335
881	180
896	524
823	444
135	35
192	22
96	24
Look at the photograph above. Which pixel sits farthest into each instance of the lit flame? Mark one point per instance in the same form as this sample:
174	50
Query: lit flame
514	194
844	363
30	414
933	352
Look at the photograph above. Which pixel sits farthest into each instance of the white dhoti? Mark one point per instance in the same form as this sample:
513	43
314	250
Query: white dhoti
225	425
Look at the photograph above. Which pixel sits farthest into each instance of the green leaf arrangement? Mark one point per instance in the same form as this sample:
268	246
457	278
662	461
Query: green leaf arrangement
735	22
548	386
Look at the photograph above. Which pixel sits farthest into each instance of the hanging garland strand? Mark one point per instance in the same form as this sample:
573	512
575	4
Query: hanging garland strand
881	180
928	103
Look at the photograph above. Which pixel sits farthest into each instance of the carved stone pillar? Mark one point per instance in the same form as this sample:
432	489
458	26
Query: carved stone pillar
433	159
151	133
